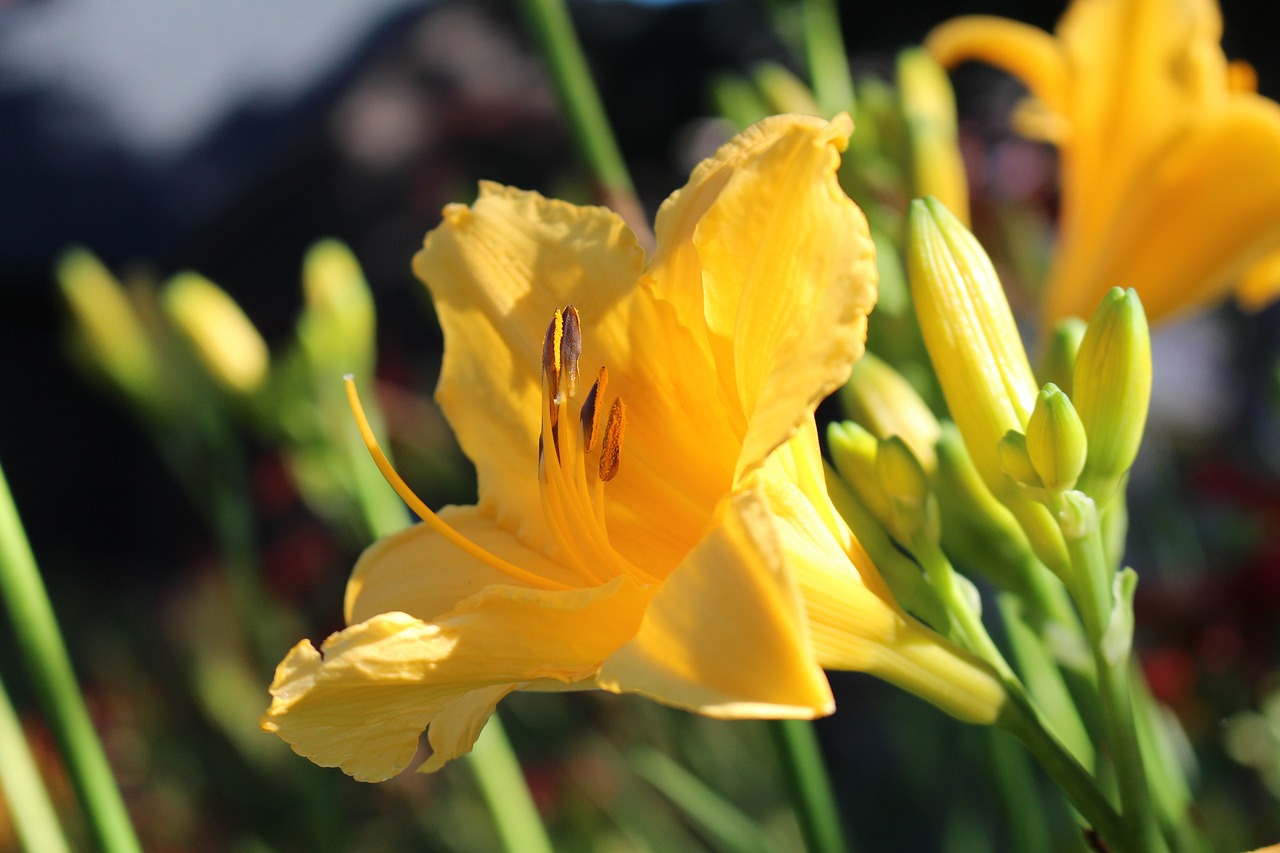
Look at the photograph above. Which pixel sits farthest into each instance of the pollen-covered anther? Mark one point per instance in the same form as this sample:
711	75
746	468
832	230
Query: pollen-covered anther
570	351
592	409
611	448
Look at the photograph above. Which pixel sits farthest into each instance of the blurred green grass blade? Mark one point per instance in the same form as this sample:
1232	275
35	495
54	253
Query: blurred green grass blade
806	777
24	791
723	823
45	655
505	791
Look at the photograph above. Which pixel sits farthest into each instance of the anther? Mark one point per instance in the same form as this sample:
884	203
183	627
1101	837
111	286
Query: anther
570	349
611	448
592	408
551	354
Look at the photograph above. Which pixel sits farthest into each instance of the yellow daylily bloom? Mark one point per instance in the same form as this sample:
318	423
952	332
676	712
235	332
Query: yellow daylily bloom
665	530
1170	162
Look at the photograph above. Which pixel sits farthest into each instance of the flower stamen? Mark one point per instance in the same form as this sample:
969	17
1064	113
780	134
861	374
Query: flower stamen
424	512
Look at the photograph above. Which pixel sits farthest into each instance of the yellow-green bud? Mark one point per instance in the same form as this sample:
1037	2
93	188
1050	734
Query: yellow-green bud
337	328
1015	460
1059	362
853	452
903	479
108	326
1112	390
880	399
1056	439
971	336
929	110
783	91
226	341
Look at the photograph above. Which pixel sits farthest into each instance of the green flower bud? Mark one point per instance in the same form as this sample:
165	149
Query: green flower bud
107	327
929	111
1059	362
880	399
783	91
970	334
1112	390
1016	462
337	327
853	452
914	511
1056	440
226	341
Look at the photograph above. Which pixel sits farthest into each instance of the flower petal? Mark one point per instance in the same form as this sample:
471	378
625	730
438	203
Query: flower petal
497	270
788	270
1260	284
416	571
726	635
1178	254
1026	52
363	700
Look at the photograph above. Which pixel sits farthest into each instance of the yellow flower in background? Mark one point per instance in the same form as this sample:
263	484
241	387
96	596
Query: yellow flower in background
1170	162
653	516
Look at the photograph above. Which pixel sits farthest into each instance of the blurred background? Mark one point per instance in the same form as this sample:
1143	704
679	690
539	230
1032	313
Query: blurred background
227	137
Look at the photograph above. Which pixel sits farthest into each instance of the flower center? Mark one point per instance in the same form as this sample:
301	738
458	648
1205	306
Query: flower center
573	498
574	512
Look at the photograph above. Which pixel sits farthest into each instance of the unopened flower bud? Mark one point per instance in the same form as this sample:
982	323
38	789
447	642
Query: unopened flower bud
929	112
226	341
1112	390
1056	439
337	328
107	326
914	511
853	452
1015	460
880	399
970	334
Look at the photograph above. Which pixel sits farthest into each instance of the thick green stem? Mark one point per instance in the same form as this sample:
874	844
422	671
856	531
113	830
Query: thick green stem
503	786
45	655
806	779
1020	718
558	44
23	788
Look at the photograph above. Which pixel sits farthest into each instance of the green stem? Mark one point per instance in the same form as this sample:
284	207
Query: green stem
1093	595
1020	718
806	779
828	64
41	646
20	782
503	786
558	44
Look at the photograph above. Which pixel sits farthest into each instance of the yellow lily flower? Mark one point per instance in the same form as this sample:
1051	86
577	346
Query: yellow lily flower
1170	162
677	542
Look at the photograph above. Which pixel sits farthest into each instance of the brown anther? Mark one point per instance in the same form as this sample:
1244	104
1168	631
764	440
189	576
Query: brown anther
551	353
592	408
570	350
611	447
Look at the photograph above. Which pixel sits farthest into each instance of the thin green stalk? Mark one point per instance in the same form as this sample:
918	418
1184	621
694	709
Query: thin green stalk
45	655
806	778
828	64
1094	597
558	44
503	786
20	781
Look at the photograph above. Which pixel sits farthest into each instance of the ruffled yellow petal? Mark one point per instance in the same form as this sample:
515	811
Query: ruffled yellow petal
497	270
727	635
361	702
417	572
788	270
1028	53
